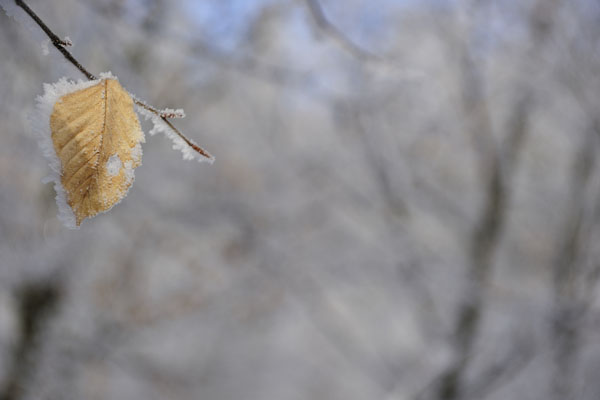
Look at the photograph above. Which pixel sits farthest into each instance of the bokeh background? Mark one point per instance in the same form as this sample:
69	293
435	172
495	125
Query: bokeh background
404	204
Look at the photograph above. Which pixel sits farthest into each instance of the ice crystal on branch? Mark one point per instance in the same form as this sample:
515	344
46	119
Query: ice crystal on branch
187	149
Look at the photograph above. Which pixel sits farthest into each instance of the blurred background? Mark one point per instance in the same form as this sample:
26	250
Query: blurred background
405	204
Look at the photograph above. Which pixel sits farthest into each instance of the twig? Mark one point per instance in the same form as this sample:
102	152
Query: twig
164	116
60	44
56	41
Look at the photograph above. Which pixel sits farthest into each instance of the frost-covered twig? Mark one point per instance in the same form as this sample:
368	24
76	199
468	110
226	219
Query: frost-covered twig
180	142
158	115
159	119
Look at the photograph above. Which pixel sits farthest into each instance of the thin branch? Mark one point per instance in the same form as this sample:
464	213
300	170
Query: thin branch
498	166
163	116
193	145
56	41
60	44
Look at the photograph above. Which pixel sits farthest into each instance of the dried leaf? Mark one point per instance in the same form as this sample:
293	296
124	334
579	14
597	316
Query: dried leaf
96	136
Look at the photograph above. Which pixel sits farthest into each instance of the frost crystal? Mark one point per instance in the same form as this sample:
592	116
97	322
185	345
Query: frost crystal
40	122
113	165
178	143
171	113
129	174
136	152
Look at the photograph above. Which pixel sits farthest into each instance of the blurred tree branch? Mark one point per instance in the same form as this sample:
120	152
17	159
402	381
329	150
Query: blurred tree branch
249	65
503	371
327	27
569	300
496	167
381	174
36	302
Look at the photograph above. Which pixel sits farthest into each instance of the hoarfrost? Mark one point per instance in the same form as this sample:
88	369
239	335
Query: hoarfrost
113	165
129	173
178	143
108	75
136	152
171	113
40	124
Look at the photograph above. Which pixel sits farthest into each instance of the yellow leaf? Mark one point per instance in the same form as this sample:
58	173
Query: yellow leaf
96	135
